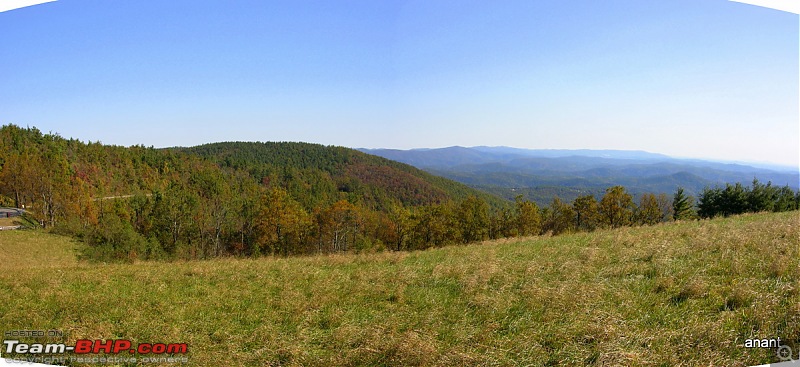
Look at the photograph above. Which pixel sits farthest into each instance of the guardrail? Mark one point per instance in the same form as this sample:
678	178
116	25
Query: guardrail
10	212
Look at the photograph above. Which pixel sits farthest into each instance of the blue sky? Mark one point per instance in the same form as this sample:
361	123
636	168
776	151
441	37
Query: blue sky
688	78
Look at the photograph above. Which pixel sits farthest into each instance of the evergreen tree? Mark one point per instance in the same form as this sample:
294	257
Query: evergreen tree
785	200
709	203
760	197
682	205
734	199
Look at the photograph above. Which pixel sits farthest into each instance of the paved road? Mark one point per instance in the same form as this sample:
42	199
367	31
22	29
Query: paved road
119	197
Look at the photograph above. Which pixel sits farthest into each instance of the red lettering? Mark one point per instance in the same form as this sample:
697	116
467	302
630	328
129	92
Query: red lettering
159	348
121	345
105	347
177	348
83	346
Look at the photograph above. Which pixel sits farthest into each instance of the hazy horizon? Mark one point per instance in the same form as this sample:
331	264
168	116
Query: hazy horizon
757	163
712	79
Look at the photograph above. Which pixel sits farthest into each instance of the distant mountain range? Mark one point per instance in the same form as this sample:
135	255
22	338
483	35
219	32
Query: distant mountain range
542	174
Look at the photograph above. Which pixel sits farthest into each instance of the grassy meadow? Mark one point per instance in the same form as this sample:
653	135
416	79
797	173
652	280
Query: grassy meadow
679	294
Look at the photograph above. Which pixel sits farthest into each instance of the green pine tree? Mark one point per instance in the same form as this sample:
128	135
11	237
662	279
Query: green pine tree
682	205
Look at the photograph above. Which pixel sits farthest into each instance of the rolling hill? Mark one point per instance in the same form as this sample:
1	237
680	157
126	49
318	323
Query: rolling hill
319	173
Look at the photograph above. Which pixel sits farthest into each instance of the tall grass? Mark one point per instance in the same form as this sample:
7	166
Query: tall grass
669	295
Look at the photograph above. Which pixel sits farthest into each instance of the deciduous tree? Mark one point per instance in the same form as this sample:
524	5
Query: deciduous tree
649	211
282	224
473	218
529	217
616	207
559	217
587	214
338	226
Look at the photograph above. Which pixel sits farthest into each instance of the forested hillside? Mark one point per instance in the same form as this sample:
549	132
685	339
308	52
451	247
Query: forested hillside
317	174
253	199
226	199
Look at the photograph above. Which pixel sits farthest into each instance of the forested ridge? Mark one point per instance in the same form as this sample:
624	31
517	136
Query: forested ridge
254	199
315	174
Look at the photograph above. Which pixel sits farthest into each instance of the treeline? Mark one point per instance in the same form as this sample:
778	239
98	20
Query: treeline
737	199
255	199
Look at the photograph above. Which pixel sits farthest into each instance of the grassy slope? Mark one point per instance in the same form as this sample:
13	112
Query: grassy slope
34	249
680	294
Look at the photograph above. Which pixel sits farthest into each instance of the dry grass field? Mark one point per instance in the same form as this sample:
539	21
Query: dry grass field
29	250
679	294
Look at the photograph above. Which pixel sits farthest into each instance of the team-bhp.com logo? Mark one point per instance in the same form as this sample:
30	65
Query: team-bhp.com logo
86	346
94	351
